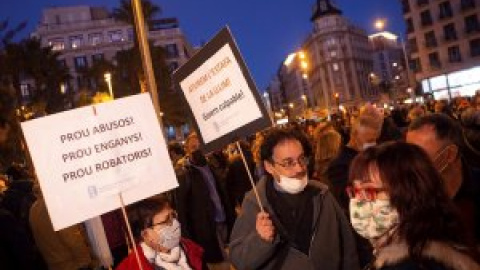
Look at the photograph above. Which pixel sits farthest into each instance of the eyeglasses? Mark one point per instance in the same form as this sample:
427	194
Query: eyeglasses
291	163
167	222
367	193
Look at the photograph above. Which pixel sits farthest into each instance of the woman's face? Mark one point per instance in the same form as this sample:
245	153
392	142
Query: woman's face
371	188
160	220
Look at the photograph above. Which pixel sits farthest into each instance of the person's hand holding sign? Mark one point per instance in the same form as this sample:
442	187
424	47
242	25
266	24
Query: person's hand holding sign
264	226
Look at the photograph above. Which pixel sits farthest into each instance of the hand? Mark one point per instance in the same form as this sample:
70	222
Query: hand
264	226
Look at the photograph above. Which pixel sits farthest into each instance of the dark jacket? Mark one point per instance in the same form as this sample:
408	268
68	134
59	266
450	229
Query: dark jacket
332	245
196	211
338	172
435	256
237	180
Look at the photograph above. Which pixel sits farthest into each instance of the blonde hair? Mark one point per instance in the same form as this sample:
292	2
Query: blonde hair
256	148
327	147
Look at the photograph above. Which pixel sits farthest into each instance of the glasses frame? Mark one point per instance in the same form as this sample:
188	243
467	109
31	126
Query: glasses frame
302	161
367	193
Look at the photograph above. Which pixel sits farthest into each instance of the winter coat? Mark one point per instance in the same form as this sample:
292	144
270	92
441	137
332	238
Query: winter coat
435	256
196	211
332	244
66	249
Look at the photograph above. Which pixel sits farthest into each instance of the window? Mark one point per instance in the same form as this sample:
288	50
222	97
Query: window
76	42
471	24
57	44
410	27
475	47
454	55
62	62
422	2
25	89
412	45
95	39
97	57
415	65
172	66
335	67
430	39
405	6
130	34
434	60
171	50
80	62
115	36
467	4
449	32
426	18
445	10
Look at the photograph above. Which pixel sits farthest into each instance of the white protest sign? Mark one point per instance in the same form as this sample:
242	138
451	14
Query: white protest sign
221	94
85	157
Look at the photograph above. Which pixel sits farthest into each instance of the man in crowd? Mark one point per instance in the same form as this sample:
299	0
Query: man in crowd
364	133
302	226
441	138
202	204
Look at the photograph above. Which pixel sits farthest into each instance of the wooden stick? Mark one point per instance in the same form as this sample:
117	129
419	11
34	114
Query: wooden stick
250	177
124	212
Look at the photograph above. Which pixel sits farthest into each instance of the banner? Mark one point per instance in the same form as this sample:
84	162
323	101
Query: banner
221	94
84	158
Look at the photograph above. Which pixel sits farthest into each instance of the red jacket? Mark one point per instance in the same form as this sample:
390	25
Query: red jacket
193	252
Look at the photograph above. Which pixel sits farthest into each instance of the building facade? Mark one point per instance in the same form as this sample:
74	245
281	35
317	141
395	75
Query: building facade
83	35
340	59
390	75
444	45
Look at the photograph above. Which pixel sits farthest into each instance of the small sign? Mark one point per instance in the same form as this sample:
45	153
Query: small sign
221	94
84	158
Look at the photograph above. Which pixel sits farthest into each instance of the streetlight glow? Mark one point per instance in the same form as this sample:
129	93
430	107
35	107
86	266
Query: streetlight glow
380	24
301	55
304	64
305	76
108	79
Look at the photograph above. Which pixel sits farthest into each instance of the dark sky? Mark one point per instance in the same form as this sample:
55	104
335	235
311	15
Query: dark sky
265	30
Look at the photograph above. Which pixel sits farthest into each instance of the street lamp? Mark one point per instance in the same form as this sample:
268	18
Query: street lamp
108	79
380	24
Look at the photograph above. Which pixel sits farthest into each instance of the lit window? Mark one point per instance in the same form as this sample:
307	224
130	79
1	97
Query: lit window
76	42
57	44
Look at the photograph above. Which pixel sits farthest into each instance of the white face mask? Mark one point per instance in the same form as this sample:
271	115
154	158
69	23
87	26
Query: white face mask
169	237
291	185
365	146
372	219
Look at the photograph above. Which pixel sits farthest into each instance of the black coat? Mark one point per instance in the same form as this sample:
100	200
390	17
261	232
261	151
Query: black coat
196	211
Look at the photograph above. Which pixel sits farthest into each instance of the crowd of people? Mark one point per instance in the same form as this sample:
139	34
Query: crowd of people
370	189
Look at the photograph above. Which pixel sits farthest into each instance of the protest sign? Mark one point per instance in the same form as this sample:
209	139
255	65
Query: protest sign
84	158
221	94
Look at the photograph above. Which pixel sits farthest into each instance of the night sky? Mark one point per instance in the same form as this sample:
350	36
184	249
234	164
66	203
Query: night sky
266	31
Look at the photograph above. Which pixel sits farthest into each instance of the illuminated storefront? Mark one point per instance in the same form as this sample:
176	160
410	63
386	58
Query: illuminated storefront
461	83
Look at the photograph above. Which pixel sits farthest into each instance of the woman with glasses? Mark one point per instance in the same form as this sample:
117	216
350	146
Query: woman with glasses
398	202
161	245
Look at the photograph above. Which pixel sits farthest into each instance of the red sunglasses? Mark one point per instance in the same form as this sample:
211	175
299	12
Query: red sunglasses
367	193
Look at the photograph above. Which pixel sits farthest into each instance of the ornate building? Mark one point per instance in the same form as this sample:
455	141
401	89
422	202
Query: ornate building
84	34
340	59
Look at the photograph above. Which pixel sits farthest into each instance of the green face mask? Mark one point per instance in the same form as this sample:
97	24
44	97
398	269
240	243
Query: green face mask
372	219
